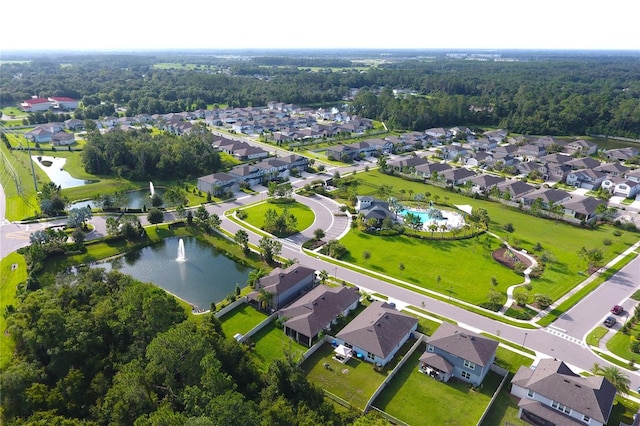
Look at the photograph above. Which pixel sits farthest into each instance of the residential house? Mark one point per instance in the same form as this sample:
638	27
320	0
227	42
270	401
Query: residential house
316	311
455	352
457	176
547	197
377	333
284	286
381	146
552	394
587	179
582	147
495	135
480	158
218	183
431	170
63	139
527	167
613	169
406	164
344	153
532	152
438	133
484	183
483	144
39	135
622	154
582	207
74	124
506	150
626	188
514	189
585	163
453	151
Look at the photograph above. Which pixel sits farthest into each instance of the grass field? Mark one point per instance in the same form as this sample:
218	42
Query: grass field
13	271
257	212
561	239
416	398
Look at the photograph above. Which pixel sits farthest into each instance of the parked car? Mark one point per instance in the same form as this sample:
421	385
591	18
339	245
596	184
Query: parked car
609	322
617	310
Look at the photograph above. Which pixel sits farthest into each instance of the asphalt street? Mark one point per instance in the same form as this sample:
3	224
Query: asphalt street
563	340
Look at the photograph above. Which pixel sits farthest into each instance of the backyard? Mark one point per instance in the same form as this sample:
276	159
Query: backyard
416	398
241	320
271	343
353	382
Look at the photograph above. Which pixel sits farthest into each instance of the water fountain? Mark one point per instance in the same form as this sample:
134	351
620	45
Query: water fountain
151	189
181	256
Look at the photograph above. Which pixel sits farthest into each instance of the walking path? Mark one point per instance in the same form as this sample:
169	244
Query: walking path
542	313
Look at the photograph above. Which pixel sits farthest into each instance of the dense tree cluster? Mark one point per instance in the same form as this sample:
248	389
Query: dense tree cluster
101	348
554	94
138	155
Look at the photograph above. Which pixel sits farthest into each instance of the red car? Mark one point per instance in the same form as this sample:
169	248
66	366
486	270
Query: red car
617	310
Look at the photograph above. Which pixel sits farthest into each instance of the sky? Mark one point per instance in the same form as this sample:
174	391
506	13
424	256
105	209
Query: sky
293	24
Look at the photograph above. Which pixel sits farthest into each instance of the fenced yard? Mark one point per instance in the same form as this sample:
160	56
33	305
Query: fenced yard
416	398
241	320
271	343
354	381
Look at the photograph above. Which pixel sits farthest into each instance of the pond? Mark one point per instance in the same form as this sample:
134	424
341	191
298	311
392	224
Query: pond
54	168
204	276
135	199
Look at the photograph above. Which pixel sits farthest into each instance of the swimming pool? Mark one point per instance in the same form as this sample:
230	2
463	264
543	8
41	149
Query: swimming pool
451	219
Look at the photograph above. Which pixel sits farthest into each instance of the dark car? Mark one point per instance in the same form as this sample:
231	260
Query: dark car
617	310
609	322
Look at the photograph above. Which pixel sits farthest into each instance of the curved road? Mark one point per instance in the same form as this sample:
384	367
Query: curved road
563	340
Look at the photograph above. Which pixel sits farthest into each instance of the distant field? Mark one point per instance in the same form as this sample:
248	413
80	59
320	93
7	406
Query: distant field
175	65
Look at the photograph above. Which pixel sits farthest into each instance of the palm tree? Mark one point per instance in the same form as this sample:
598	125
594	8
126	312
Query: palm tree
614	375
443	229
324	276
265	297
254	277
433	228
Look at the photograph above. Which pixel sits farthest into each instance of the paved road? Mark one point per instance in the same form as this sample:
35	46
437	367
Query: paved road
562	341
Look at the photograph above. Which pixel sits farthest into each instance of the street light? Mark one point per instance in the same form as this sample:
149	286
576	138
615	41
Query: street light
524	340
450	291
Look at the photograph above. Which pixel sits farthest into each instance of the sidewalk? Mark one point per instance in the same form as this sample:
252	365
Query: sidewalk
541	314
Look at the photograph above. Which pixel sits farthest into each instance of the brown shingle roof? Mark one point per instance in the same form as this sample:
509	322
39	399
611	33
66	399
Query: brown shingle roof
464	344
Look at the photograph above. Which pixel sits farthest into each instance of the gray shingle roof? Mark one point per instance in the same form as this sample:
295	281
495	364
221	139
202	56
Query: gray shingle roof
592	396
318	308
378	329
464	344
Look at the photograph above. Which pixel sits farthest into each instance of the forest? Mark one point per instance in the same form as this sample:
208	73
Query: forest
561	94
138	155
101	348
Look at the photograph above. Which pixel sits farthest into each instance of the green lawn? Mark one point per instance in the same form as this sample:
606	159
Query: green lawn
560	238
596	334
10	277
354	381
257	212
419	399
619	344
241	319
271	343
425	260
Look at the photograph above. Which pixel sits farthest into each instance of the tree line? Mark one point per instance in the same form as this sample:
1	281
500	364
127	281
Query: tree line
101	348
577	94
139	155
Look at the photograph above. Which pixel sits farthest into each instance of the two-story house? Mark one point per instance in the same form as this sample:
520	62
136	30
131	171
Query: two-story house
552	394
455	352
283	286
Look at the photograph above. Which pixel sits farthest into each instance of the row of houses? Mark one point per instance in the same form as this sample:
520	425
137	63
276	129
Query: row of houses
57	133
549	393
266	170
517	191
